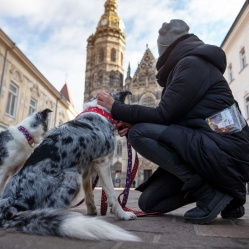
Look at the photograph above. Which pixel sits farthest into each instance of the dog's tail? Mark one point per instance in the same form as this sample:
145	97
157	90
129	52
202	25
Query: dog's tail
65	223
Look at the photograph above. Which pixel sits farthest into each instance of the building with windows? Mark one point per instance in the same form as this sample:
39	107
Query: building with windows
24	90
236	47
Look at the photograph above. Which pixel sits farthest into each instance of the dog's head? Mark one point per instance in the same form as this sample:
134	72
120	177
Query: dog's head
37	124
41	118
120	96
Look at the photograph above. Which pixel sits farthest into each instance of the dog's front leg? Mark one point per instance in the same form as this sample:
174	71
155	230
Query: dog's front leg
102	168
89	197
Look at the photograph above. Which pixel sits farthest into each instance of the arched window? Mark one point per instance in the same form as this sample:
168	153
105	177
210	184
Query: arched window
113	54
119	148
101	55
122	58
100	77
148	100
111	79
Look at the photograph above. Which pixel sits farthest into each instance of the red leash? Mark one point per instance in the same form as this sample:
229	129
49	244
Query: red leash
130	176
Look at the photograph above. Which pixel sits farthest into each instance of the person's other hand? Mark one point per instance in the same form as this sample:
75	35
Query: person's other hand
105	99
123	128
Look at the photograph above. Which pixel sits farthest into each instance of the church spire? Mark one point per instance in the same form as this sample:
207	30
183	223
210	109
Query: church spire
129	71
105	53
111	5
110	23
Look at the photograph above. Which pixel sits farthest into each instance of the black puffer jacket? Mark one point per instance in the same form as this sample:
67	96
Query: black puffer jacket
191	73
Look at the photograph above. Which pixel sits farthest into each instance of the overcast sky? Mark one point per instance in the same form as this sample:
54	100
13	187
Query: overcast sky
53	34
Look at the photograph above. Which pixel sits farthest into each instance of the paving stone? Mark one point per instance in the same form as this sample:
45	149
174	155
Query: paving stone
165	231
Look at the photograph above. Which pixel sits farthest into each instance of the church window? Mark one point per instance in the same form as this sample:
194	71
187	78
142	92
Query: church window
147	174
148	101
101	55
100	77
119	149
113	54
122	59
152	77
142	78
111	80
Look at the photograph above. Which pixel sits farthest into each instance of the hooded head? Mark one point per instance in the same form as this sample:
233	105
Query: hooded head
169	32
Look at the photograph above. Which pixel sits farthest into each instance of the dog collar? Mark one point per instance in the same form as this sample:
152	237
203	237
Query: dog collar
27	135
101	112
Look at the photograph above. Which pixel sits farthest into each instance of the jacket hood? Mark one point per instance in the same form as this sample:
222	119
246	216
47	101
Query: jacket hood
188	45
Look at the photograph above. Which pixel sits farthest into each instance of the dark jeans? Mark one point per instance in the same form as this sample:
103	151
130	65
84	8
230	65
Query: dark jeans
145	139
163	192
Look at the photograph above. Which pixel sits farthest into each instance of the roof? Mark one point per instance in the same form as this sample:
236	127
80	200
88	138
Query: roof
235	22
66	93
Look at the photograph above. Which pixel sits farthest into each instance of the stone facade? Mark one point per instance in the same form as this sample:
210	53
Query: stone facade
236	47
23	89
145	91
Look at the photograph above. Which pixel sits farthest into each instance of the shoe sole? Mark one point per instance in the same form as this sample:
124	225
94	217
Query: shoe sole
233	215
207	219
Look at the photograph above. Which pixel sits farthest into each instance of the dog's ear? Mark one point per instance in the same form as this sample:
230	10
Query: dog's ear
44	113
122	95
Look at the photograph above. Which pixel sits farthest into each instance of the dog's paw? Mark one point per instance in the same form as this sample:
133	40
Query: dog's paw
121	214
91	211
126	215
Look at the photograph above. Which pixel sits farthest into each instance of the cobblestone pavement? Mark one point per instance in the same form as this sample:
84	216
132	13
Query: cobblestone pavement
166	231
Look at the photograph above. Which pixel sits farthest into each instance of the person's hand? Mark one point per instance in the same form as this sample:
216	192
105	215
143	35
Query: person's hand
123	128
105	99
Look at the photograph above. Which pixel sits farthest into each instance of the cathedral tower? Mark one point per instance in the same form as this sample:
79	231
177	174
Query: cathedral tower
105	54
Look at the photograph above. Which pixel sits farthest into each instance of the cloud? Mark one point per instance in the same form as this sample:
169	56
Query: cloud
53	34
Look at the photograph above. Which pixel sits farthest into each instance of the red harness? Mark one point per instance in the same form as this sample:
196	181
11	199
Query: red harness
102	113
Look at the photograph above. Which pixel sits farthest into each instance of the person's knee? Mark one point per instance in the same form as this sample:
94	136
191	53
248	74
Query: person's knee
134	135
144	203
134	132
138	132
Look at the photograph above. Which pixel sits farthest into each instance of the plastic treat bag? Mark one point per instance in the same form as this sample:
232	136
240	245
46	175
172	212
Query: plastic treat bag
229	120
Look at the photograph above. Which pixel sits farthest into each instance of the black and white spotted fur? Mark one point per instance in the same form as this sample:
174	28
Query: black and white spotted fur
14	146
36	200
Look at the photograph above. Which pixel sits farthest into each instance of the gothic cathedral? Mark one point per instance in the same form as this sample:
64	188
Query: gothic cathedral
105	72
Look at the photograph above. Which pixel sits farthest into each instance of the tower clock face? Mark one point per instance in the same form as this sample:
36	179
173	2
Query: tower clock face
104	21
